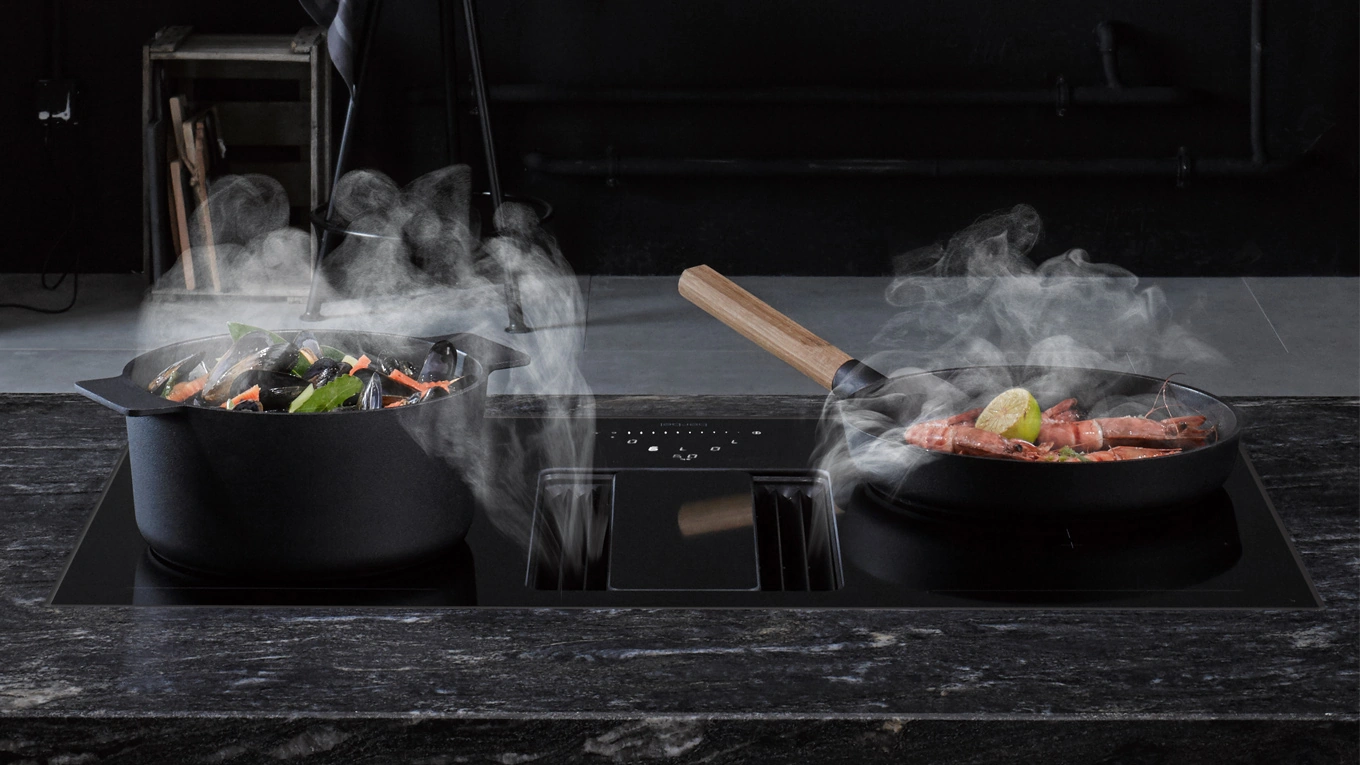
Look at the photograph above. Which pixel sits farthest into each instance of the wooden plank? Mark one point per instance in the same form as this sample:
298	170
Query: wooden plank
167	39
176	207
177	110
264	123
276	48
182	221
200	182
306	39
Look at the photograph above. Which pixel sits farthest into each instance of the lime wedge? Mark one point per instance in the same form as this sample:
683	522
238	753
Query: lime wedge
1013	414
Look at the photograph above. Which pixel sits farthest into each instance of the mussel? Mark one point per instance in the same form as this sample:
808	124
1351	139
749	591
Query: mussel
443	362
390	387
387	364
277	389
308	346
251	352
371	397
429	394
323	370
174	374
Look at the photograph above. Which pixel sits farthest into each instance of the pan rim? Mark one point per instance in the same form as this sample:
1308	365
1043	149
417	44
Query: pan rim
478	373
1227	439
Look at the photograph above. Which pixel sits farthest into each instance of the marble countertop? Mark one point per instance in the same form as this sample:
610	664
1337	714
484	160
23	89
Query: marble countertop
347	684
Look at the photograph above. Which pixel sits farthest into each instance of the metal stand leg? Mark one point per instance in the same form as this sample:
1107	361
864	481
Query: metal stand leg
517	324
328	242
515	310
448	57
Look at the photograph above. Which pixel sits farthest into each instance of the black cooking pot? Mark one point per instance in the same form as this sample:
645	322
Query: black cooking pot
301	496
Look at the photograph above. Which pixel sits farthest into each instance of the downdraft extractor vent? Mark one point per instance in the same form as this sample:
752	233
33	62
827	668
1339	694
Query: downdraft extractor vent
796	543
684	530
570	542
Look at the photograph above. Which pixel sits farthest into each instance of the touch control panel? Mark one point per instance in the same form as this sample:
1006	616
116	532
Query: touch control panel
704	443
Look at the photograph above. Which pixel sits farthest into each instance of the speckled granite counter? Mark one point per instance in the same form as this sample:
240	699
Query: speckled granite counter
210	685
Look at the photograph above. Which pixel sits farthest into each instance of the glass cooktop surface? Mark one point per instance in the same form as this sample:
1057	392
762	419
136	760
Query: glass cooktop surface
727	513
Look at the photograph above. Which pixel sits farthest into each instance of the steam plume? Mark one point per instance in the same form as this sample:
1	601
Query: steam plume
978	301
418	265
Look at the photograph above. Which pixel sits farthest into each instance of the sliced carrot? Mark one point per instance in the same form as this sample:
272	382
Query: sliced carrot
250	394
406	380
395	404
186	390
362	363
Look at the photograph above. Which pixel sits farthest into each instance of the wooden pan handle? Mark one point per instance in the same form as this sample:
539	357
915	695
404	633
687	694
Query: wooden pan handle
761	324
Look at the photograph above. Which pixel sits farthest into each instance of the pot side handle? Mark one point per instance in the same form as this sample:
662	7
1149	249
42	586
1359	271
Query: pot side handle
492	355
120	395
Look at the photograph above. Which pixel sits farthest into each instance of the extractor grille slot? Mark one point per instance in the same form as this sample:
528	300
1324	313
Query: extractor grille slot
570	542
796	541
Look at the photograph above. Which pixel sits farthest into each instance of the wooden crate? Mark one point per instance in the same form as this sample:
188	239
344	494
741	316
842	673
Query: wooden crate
287	137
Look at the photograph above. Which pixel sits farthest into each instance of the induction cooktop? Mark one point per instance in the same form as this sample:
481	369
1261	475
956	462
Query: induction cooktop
727	513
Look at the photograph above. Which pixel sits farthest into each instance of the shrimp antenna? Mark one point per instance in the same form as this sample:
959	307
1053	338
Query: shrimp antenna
1163	397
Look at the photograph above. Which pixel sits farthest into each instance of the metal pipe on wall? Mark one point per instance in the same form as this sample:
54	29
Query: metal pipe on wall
1113	93
1078	96
1181	168
1171	168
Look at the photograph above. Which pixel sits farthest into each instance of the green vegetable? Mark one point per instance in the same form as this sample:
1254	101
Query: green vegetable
1070	453
301	398
237	330
328	396
332	353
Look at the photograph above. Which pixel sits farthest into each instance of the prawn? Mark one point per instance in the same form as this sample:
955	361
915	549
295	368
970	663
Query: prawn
1106	432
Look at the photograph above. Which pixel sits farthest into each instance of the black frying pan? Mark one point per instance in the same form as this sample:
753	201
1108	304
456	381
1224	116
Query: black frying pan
874	411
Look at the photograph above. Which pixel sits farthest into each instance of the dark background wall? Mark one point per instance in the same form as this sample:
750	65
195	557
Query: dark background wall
1302	222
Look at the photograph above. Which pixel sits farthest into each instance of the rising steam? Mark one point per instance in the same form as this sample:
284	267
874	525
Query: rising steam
979	301
417	264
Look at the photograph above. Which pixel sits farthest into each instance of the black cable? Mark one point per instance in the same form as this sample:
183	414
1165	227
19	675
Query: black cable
75	290
74	273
